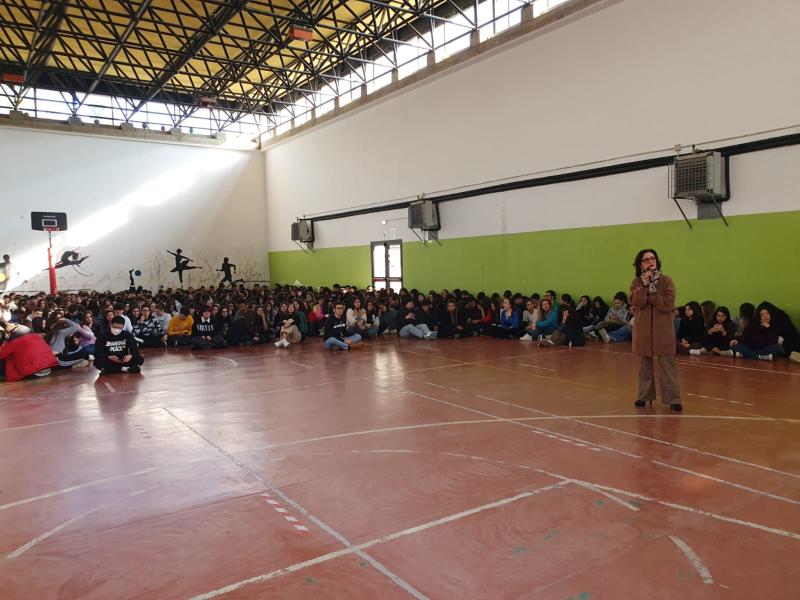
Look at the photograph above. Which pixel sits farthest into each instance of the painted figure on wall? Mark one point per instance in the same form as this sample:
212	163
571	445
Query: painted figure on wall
228	268
181	264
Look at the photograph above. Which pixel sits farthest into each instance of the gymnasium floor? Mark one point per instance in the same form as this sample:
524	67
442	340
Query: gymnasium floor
475	469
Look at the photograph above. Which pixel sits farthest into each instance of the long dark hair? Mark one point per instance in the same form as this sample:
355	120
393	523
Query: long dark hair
637	264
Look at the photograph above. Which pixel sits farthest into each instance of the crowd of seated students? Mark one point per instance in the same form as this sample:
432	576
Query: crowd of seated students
40	333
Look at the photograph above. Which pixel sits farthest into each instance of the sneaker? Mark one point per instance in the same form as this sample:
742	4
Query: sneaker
43	373
83	363
526	338
285	343
592	336
91	357
739	355
695	352
604	334
124	369
728	353
279	344
433	335
795	356
765	357
549	341
135	369
138	340
539	341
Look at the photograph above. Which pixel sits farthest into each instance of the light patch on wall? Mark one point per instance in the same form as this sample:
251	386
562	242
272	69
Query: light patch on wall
153	193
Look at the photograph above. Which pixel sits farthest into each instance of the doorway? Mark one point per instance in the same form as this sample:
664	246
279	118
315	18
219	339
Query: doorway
387	264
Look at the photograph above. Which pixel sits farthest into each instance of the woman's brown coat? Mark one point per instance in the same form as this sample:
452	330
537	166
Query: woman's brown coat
653	327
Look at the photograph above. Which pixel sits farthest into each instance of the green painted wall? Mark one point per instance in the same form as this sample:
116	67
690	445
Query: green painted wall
755	258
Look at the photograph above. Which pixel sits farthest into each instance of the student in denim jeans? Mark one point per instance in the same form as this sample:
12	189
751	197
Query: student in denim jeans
336	334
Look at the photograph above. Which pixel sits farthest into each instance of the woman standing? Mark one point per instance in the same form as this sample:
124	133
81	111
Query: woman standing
653	295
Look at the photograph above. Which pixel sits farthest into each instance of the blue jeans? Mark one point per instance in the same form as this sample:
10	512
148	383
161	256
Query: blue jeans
623	334
331	343
418	331
750	353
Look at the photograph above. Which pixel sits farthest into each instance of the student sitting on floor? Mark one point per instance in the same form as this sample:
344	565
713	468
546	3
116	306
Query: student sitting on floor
289	332
531	315
204	332
148	329
570	331
759	340
451	324
747	312
411	323
372	320
615	318
430	317
691	331
24	356
623	334
546	325
356	318
509	325
73	355
116	351
787	332
336	334
179	332
719	333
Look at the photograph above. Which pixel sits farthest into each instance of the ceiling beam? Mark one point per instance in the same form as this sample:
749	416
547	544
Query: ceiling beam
192	46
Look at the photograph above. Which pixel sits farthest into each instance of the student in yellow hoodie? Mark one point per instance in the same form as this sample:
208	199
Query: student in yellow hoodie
179	331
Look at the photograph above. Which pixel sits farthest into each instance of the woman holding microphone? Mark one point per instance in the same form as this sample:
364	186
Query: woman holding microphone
653	295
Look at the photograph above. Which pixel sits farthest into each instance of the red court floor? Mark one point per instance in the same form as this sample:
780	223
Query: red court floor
473	469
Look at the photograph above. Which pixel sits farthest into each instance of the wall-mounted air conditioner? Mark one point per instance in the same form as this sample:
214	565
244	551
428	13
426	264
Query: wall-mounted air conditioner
303	231
423	214
702	176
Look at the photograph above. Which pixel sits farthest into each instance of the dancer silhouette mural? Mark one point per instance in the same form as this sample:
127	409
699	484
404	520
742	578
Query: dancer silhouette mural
181	264
228	268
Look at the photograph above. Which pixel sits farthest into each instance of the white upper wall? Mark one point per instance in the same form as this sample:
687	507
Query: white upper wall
128	202
638	75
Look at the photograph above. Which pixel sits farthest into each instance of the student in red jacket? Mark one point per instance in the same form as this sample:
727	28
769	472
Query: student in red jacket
26	355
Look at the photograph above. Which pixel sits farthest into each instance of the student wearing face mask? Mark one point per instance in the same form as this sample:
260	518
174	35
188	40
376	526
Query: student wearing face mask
116	350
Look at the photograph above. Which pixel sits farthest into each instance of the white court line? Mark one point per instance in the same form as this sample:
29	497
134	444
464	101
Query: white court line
353	549
78	487
109	387
750	524
536	367
579	419
423	426
375	563
720	399
724	482
24	548
291	362
547	431
701	569
611	497
629	355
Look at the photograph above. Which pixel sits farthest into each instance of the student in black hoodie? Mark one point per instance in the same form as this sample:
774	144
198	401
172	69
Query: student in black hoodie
116	350
335	333
692	330
205	334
